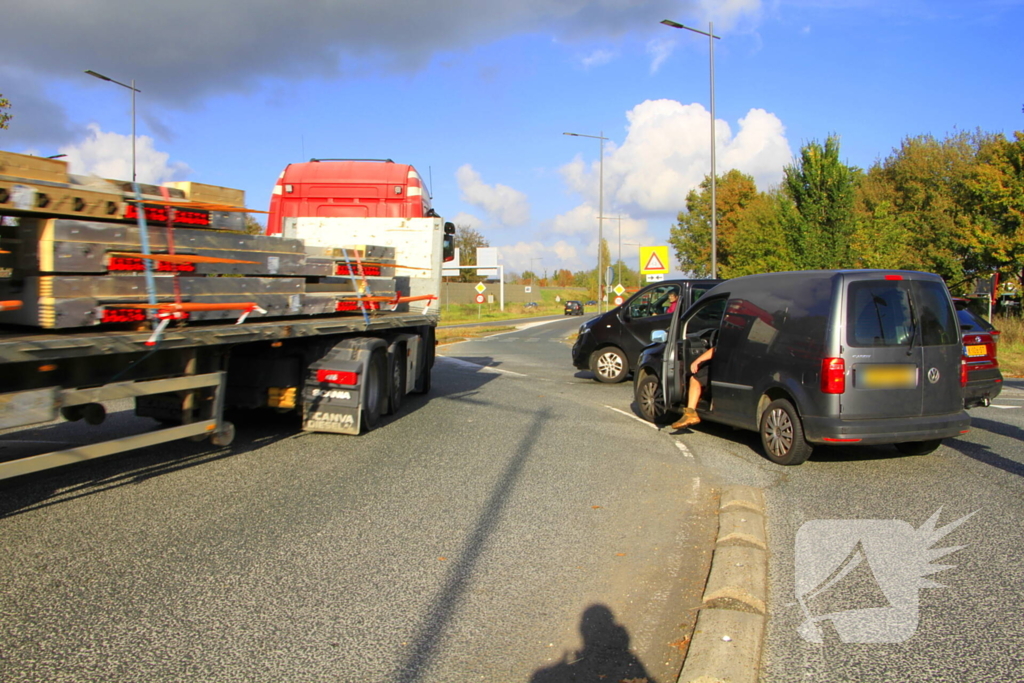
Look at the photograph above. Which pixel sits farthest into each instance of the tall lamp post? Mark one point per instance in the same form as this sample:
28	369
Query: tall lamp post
134	90
710	33
600	213
532	272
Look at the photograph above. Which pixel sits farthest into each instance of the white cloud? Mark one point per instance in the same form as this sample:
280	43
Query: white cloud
109	155
666	154
540	257
597	58
507	205
660	49
467	219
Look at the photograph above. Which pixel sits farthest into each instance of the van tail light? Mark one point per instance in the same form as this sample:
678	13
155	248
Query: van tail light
963	372
833	375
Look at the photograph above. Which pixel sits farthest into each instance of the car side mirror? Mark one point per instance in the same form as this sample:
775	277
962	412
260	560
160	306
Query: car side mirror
659	337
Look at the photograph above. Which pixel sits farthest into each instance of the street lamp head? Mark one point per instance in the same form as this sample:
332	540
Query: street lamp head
669	22
99	76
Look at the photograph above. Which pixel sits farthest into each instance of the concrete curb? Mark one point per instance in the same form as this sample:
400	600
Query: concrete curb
726	643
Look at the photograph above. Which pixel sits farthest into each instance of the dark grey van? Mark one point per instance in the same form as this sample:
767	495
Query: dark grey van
817	357
610	344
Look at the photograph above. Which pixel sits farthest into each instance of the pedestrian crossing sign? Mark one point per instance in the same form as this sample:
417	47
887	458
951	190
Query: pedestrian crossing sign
654	260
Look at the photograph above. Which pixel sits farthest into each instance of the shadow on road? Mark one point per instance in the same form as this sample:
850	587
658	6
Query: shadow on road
50	487
430	633
605	655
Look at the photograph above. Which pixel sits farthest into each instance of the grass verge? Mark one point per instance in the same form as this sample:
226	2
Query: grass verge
1011	345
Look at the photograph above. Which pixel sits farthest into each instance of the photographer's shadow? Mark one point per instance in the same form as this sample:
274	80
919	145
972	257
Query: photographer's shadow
605	655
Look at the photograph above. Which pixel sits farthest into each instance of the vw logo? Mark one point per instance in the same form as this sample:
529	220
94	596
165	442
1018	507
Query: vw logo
933	375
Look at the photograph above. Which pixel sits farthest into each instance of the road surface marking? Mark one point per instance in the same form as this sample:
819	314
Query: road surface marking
478	368
686	451
638	419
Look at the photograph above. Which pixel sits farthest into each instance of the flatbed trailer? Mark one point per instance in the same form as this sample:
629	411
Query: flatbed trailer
188	379
332	320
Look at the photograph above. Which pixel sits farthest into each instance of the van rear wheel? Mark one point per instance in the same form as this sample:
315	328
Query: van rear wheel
782	434
918	447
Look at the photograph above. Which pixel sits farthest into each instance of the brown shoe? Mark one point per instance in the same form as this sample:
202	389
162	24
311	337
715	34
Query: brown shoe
689	418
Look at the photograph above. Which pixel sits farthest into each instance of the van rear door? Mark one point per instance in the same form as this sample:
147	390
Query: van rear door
901	353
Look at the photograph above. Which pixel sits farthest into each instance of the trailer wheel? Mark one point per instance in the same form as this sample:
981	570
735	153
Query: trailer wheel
375	389
396	379
225	436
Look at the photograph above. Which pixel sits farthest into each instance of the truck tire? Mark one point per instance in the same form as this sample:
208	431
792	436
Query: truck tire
375	389
396	378
782	434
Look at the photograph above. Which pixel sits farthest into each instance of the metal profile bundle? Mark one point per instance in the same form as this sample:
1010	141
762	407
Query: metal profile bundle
70	274
34	186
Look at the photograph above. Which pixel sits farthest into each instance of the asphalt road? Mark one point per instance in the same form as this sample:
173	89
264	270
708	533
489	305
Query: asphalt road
850	541
513	527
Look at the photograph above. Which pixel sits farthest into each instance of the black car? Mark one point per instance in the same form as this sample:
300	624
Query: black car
817	357
610	344
983	380
573	308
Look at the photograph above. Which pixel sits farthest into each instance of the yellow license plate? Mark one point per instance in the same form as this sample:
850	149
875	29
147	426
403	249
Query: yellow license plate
975	350
889	377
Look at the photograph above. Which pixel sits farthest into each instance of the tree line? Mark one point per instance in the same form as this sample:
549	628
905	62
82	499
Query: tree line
954	207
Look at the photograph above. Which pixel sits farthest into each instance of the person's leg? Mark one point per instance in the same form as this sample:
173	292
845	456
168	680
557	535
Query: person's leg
690	416
693	395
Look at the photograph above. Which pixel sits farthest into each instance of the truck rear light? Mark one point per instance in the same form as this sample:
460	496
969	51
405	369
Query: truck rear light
123	315
137	265
337	377
351	306
367	271
893	277
833	375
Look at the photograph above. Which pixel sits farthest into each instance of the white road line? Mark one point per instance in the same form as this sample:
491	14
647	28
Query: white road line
1005	407
478	368
686	451
638	419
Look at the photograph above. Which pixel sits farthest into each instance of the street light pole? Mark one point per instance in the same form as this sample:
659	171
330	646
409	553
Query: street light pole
134	90
619	217
600	212
710	33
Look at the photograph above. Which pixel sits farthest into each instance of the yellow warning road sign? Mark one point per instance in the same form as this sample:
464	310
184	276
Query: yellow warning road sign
654	260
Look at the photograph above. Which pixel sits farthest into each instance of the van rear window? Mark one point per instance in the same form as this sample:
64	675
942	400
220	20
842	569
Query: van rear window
883	313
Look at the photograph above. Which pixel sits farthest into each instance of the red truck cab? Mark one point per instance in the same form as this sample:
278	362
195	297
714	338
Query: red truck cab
348	188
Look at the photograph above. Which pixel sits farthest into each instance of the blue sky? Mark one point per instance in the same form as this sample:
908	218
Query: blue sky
477	96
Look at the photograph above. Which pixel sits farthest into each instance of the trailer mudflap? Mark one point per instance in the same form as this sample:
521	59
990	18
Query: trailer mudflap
329	402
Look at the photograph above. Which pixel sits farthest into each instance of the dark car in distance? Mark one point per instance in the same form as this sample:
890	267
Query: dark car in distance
610	344
982	380
573	308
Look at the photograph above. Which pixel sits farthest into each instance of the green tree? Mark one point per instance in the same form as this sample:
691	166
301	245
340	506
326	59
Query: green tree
822	189
252	226
921	192
691	236
467	241
759	243
995	185
4	116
